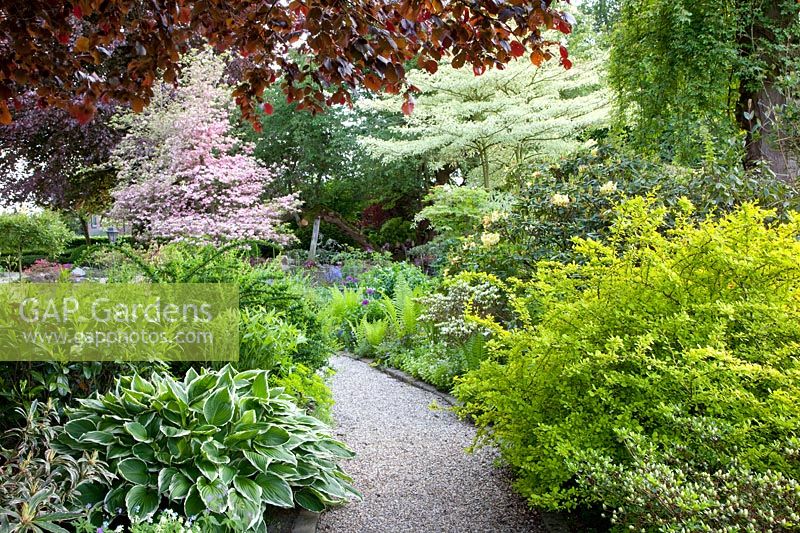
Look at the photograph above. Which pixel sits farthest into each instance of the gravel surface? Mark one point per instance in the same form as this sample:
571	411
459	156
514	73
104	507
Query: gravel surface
411	466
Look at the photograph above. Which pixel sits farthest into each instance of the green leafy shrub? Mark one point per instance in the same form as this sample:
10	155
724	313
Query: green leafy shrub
576	199
21	232
655	331
217	443
23	382
41	488
308	388
384	278
661	490
267	341
476	294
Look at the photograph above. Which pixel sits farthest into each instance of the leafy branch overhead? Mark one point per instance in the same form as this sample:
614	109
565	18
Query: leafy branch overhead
76	54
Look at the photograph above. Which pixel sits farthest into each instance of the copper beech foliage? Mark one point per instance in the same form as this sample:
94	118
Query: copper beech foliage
76	54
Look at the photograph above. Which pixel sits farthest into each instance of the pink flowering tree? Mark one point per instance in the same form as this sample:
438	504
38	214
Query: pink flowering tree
186	177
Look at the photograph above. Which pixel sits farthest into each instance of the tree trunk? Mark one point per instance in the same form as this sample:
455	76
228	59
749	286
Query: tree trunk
334	218
759	104
85	229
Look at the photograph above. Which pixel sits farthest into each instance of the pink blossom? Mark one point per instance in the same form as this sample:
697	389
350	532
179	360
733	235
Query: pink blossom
187	177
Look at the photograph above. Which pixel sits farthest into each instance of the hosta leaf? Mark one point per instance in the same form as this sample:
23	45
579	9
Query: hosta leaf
179	486
137	431
208	469
307	499
218	408
275	491
91	492
165	479
243	511
214	494
144	452
248	417
278	453
205	430
248	488
227	472
117	451
240	436
214	454
179	393
261	387
336	448
141	385
170	431
329	486
199	386
99	437
258	460
77	428
115	499
193	505
274	436
134	470
141	502
179	449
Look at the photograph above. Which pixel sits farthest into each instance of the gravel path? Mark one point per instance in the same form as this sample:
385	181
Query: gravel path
411	465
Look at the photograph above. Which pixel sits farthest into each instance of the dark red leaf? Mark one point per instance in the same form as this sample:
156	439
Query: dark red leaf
77	11
268	109
567	63
517	50
563	51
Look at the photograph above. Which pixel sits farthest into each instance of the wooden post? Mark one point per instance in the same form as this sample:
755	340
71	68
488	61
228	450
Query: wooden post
312	252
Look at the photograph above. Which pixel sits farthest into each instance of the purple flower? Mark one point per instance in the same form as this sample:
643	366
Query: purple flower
370	291
364	302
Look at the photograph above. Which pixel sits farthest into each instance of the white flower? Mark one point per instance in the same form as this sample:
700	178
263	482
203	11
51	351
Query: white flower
560	200
608	187
490	239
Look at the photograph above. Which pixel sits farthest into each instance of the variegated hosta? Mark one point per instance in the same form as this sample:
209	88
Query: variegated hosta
218	442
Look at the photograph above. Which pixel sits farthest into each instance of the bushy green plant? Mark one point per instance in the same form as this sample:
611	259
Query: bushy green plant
20	232
369	335
308	388
266	339
457	211
661	490
576	199
23	382
475	294
654	328
384	278
403	309
218	443
41	489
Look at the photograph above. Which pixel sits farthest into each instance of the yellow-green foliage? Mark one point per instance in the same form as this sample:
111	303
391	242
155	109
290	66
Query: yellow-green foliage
686	340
